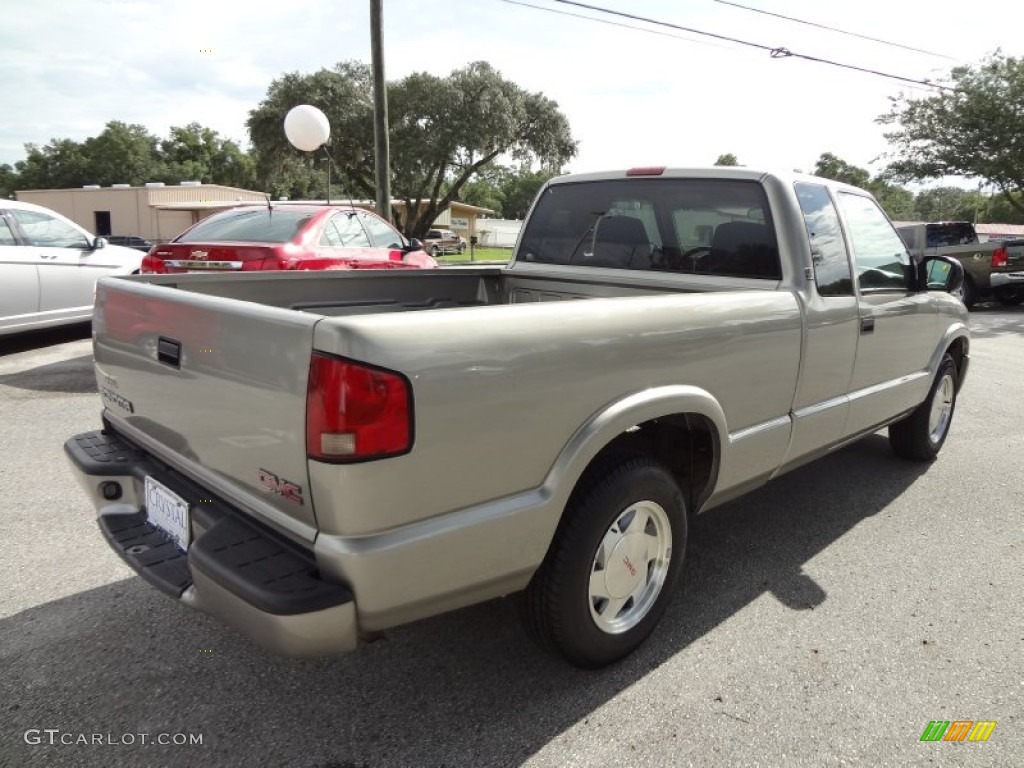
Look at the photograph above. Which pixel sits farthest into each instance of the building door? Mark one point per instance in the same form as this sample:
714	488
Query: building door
102	227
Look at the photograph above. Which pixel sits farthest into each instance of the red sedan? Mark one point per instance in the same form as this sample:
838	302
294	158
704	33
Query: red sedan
288	236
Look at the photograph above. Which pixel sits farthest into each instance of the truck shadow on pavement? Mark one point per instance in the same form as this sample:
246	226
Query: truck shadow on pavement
74	376
466	688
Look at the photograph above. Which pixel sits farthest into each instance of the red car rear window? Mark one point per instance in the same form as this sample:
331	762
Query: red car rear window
251	225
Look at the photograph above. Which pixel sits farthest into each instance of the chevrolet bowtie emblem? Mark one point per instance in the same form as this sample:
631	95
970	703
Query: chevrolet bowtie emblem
200	254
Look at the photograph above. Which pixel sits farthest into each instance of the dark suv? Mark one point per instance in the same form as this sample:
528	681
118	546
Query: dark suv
130	241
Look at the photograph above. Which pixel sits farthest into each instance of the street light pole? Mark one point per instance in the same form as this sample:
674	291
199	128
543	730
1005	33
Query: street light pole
380	113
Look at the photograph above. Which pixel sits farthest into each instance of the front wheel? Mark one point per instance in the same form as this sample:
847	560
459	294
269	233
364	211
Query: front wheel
968	293
920	435
611	569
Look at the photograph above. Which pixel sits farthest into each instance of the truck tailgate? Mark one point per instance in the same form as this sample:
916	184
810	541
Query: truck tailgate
213	386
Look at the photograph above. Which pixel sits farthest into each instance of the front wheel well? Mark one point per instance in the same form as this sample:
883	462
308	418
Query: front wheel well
686	444
958	351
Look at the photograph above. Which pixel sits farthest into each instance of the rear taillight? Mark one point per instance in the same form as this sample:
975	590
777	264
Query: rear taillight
354	412
152	265
999	258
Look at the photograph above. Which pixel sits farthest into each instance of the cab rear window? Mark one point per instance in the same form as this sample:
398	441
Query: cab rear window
690	226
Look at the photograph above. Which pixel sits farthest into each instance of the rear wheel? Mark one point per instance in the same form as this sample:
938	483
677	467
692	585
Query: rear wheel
612	566
1009	296
920	435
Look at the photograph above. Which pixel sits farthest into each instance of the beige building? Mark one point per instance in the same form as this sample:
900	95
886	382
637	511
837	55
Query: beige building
161	212
156	212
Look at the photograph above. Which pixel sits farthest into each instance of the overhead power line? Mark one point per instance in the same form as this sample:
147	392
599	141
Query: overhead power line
613	23
836	29
776	52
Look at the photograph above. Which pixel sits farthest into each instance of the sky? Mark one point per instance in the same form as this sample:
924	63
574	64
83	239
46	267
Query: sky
632	97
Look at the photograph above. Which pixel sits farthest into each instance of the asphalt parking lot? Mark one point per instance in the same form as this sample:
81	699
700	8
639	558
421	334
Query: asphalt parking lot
825	620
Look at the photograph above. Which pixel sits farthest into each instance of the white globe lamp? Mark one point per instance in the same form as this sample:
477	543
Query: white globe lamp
306	127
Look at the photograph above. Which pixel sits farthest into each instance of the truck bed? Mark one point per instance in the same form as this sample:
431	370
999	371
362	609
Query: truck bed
344	293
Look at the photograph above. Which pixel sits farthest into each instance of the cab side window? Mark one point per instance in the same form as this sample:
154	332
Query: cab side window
47	232
832	271
879	253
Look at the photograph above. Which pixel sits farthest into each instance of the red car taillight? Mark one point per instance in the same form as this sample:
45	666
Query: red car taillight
999	258
354	412
152	265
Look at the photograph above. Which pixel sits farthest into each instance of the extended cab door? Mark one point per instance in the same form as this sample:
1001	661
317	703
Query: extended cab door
821	406
896	325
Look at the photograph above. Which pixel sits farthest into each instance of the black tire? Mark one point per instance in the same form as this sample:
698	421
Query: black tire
558	607
970	296
916	436
1009	296
435	252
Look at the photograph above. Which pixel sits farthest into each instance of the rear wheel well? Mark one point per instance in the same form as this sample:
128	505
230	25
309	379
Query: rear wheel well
686	444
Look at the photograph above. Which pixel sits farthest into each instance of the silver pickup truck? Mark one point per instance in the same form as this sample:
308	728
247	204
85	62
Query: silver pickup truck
316	457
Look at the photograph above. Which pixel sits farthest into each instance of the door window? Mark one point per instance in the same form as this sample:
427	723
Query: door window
383	235
48	232
6	236
350	233
880	254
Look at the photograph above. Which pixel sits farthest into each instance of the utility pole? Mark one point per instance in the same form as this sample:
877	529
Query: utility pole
380	113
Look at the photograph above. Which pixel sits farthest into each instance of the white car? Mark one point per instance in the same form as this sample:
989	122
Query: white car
49	267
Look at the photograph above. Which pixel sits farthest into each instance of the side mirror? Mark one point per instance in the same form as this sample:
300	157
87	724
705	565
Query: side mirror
940	273
415	244
98	243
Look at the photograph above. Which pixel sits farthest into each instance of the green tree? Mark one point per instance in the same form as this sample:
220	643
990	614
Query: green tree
897	201
972	129
9	181
947	204
519	188
196	152
727	159
829	166
485	189
442	131
57	165
122	154
999	210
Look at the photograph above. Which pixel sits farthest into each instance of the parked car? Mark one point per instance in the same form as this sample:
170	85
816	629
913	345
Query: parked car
288	236
130	241
49	267
315	458
993	269
441	241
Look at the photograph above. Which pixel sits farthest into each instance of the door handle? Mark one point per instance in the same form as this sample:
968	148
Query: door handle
867	325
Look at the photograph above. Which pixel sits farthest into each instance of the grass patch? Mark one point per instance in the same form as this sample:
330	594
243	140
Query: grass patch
480	254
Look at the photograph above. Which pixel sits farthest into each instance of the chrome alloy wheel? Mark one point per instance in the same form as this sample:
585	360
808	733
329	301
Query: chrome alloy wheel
942	408
630	567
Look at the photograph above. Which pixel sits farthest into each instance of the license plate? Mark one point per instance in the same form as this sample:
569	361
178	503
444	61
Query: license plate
168	512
